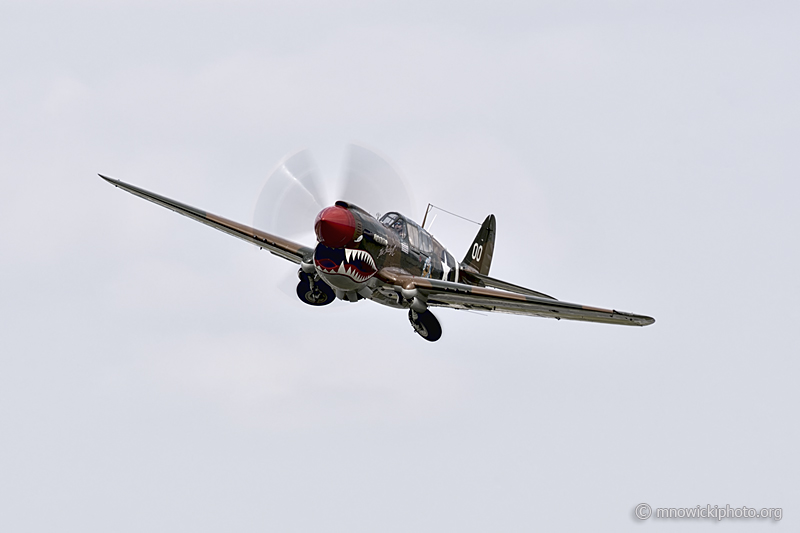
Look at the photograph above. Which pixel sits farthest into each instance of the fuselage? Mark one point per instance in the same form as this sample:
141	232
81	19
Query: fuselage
353	246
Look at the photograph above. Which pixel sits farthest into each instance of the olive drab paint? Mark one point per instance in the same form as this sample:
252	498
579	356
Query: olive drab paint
395	262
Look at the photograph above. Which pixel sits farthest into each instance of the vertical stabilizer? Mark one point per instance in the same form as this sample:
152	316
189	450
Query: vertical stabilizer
479	255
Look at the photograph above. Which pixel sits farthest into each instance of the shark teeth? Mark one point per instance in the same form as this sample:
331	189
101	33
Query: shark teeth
354	274
346	268
362	255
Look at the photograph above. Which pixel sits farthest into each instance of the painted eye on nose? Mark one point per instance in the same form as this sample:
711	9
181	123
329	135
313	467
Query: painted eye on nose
327	263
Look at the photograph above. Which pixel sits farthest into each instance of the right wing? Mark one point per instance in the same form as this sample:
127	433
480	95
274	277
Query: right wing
285	248
502	285
439	293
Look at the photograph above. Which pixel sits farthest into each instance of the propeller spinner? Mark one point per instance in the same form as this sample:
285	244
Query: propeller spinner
335	226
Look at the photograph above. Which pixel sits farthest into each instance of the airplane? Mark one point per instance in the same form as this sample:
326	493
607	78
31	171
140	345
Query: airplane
394	261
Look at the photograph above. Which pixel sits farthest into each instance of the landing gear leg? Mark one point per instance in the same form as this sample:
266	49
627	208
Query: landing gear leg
425	324
314	291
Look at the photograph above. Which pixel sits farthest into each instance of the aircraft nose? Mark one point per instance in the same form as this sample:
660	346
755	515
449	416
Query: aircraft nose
335	226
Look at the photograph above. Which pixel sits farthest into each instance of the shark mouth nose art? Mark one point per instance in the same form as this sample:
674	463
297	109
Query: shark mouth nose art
355	264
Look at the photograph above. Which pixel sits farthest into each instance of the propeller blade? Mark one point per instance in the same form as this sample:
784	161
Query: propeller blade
291	197
293	194
372	182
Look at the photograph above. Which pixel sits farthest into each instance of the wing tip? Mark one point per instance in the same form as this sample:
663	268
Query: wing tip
646	321
636	320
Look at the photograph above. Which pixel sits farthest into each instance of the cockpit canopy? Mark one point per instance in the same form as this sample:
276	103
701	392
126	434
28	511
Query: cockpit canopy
395	221
409	231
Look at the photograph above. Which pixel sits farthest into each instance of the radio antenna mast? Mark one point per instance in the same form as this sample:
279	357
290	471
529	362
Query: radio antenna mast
431	206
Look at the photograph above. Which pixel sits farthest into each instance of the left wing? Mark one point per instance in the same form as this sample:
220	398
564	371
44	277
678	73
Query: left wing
439	293
285	248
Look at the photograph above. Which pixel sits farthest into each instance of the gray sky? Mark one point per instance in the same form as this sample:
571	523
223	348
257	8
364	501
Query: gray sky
641	156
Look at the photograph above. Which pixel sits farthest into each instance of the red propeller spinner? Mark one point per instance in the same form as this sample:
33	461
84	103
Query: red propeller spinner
335	226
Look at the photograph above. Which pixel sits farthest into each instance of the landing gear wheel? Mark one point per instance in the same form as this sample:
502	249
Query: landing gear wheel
425	324
314	292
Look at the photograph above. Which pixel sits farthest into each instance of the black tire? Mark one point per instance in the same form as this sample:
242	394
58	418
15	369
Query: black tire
321	294
425	324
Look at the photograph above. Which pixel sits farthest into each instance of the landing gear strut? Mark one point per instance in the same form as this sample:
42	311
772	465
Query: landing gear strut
314	292
425	324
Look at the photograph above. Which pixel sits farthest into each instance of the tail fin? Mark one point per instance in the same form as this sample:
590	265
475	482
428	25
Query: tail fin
479	255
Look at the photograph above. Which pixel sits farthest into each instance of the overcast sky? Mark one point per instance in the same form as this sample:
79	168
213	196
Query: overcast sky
155	376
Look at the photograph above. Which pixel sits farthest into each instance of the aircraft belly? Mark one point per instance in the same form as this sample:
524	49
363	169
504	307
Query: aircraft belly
388	298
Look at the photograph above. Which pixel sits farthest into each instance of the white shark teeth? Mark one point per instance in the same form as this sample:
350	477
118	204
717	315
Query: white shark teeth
353	274
350	270
363	255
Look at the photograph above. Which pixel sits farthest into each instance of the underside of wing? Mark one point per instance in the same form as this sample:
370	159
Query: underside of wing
437	293
283	247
